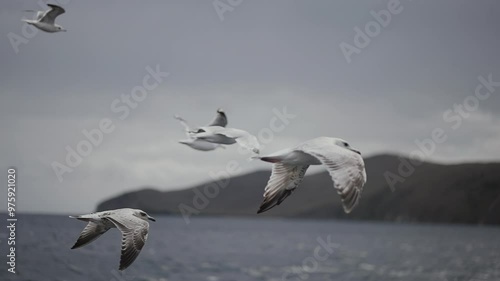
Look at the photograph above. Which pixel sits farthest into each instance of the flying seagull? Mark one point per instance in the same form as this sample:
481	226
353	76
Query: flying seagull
344	164
132	223
221	135
199	144
45	20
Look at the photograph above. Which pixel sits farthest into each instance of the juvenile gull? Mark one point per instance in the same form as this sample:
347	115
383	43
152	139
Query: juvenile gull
221	135
199	144
132	223
344	164
45	20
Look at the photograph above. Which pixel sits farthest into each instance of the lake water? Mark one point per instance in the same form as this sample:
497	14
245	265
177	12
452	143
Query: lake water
241	249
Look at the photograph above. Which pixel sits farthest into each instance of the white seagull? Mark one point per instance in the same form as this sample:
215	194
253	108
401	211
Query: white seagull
199	144
45	20
132	223
344	164
221	135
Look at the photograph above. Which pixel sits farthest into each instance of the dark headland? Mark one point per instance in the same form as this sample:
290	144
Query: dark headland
435	193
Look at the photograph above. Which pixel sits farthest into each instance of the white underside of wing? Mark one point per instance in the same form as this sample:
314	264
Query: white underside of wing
134	236
346	168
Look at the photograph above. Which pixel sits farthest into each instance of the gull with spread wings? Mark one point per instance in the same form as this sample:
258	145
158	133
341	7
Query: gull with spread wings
45	20
199	144
132	223
344	164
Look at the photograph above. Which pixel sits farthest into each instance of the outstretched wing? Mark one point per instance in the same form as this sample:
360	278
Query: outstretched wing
185	125
220	119
346	168
38	15
51	15
284	180
90	233
134	235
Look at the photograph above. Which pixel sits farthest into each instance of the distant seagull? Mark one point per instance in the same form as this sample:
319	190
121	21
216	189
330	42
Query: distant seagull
132	223
345	165
221	135
199	144
45	20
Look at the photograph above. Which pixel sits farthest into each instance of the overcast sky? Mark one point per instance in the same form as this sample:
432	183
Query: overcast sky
263	56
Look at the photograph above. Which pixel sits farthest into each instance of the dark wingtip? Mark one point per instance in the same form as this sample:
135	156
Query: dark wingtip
268	159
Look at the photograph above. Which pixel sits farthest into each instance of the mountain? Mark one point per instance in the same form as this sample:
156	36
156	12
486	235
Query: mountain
459	193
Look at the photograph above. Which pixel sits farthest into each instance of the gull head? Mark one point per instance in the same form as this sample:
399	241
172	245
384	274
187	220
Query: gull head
143	215
344	144
60	28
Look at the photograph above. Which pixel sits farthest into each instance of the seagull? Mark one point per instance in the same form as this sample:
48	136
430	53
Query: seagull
132	223
199	144
45	20
344	164
221	135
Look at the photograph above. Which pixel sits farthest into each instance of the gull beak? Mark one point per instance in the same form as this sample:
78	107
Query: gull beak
357	151
151	218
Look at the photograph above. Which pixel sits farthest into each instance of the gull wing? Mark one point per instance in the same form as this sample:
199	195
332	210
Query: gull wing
50	15
284	180
186	126
90	233
219	120
346	168
134	235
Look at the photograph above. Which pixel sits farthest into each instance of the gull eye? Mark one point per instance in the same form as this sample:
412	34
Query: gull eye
143	214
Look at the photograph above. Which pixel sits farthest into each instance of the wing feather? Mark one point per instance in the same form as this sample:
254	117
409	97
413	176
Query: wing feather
346	168
90	233
186	126
50	15
219	120
284	180
134	236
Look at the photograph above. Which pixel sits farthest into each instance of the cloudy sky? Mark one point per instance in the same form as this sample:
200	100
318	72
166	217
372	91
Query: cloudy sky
252	60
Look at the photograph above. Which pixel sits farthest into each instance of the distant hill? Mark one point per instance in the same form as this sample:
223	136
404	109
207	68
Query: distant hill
462	193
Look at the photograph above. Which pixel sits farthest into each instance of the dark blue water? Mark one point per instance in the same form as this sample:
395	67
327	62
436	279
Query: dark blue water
219	249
